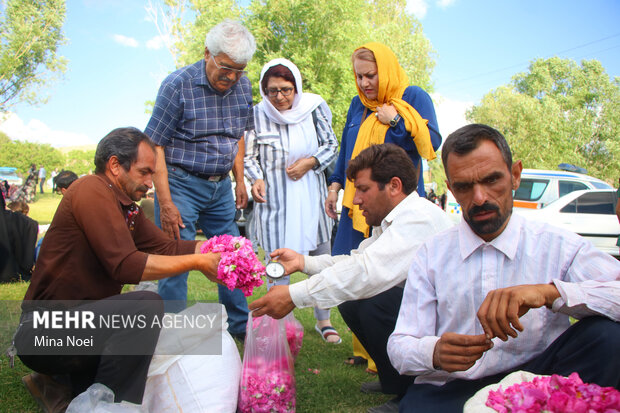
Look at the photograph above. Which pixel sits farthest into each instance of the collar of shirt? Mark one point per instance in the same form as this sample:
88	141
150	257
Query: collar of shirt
506	242
122	197
395	212
201	79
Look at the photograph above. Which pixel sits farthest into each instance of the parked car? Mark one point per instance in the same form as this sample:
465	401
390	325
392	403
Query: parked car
589	213
540	187
10	175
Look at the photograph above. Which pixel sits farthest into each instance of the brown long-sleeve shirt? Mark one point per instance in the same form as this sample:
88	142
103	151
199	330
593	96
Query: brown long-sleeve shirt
98	241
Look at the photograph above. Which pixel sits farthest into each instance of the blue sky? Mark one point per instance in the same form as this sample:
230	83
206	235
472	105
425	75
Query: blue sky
116	61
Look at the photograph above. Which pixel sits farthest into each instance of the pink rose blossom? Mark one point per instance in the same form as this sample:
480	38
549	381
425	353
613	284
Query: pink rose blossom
239	267
554	394
267	387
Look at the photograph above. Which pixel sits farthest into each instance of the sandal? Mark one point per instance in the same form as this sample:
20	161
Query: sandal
356	361
326	332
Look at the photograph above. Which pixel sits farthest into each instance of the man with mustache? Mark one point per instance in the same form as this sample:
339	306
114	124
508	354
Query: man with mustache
494	294
200	115
367	284
98	241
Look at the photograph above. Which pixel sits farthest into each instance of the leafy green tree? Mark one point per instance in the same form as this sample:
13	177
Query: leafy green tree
21	155
81	162
319	36
4	139
31	32
559	112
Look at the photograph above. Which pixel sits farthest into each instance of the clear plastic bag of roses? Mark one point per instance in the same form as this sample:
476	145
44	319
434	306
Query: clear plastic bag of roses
268	373
239	266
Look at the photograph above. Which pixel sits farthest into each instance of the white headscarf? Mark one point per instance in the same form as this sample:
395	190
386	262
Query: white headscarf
303	103
302	196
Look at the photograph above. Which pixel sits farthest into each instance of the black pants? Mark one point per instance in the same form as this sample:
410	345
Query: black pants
589	347
124	374
373	320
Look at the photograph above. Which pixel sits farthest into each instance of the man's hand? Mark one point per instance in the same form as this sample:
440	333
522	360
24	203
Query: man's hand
276	303
208	265
502	308
291	260
331	204
170	219
300	167
458	352
258	191
241	195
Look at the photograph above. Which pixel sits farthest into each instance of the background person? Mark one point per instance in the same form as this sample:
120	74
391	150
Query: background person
286	154
41	177
63	180
386	109
524	279
19	206
200	115
53	175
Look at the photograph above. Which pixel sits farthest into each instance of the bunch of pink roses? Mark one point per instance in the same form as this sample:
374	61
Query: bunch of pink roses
239	267
267	387
554	394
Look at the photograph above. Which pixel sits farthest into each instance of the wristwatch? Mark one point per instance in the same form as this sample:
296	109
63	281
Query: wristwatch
394	121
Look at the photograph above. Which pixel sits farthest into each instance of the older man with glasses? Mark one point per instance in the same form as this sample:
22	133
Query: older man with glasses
198	124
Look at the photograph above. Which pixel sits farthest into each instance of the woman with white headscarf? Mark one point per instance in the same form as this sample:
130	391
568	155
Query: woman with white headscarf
286	154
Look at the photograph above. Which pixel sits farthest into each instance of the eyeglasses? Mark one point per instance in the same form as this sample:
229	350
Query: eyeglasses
225	70
273	92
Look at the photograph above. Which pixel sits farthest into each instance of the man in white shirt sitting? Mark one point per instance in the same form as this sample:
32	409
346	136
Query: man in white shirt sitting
368	282
473	309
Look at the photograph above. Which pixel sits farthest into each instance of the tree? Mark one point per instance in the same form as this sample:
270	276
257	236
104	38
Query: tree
21	155
31	33
558	112
319	36
81	162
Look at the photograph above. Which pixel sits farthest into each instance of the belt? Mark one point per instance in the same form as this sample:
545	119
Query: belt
212	178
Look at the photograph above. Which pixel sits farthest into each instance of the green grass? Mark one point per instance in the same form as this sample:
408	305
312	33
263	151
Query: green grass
334	389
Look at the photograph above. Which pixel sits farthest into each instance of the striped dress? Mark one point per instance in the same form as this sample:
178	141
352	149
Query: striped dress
266	157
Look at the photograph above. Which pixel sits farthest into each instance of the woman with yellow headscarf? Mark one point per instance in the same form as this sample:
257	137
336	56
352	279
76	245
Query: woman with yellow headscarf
386	109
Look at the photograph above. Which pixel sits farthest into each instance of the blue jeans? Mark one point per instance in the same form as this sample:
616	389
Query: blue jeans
212	206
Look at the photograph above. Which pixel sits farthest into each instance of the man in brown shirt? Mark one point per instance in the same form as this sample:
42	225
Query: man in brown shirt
99	240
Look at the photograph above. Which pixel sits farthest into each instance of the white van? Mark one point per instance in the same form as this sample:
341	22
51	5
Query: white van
539	187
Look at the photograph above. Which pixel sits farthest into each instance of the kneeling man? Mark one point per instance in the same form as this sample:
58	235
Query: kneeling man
98	241
494	294
367	285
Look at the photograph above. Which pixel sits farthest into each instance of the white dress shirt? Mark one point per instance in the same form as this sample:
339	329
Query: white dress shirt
380	263
452	274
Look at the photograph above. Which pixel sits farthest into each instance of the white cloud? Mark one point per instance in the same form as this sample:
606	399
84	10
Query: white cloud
156	43
38	132
450	113
417	7
125	41
444	4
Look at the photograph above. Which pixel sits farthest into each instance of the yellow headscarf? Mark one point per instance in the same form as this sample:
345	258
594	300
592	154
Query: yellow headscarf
392	84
